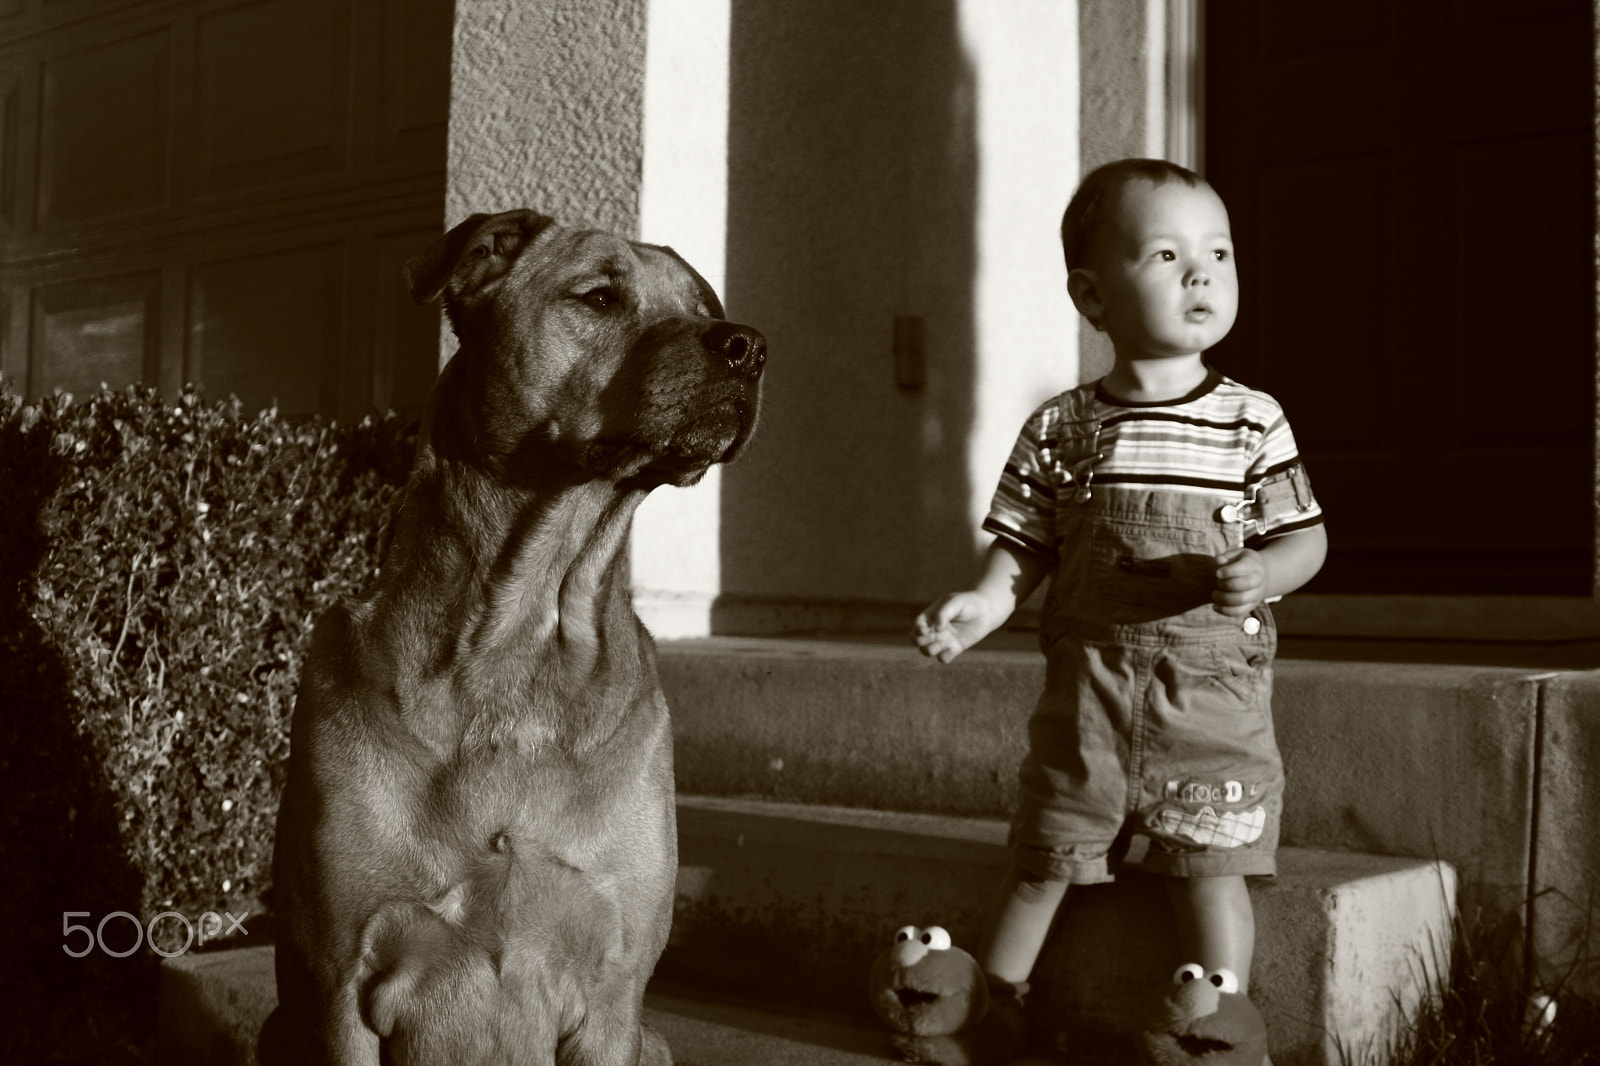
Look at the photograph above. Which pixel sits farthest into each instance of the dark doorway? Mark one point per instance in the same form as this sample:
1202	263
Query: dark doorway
1411	184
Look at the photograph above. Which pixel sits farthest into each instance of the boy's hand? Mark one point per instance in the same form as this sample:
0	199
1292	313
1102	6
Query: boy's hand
1241	582
952	624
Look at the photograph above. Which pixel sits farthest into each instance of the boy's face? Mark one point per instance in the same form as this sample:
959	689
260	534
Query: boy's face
1161	279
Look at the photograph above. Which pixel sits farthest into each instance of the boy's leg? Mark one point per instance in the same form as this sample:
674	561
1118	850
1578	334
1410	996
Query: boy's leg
1018	925
1216	923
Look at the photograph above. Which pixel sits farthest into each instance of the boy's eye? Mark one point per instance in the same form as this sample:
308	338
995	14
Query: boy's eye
1222	255
1166	255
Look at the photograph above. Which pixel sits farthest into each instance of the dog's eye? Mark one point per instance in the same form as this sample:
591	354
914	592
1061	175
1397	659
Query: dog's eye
601	298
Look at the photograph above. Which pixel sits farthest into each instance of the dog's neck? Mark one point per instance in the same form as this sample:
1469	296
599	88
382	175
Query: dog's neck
488	580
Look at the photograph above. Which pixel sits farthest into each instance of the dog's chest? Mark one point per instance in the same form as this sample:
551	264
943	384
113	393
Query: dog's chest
530	707
521	793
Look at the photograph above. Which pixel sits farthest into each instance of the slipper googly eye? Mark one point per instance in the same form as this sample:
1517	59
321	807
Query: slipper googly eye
906	932
1225	980
936	938
1189	971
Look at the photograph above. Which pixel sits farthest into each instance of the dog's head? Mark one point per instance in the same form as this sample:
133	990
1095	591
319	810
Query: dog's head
609	353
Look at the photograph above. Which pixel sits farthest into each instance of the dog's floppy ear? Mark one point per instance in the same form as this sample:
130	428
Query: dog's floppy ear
475	252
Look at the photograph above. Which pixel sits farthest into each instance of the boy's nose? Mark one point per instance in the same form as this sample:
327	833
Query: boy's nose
1198	276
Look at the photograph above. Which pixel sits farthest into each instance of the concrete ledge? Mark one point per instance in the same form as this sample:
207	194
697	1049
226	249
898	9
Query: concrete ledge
1565	910
861	725
1426	760
789	904
796	901
705	1031
213	1005
1412	759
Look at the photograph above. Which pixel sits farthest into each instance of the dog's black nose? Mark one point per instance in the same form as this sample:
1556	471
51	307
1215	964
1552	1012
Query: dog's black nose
743	348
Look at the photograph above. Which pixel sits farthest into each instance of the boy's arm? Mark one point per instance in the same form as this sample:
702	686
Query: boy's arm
1246	576
955	622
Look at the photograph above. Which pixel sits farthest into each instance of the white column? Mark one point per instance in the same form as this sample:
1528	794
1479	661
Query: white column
683	202
1024	60
1123	72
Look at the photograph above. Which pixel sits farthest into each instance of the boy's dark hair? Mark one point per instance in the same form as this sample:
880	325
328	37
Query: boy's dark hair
1086	212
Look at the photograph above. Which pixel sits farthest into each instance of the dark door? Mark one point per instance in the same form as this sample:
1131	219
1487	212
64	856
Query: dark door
1412	192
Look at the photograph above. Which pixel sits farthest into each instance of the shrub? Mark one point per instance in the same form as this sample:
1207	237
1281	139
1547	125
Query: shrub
161	566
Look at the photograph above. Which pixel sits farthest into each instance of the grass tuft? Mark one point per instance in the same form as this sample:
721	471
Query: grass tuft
1480	1007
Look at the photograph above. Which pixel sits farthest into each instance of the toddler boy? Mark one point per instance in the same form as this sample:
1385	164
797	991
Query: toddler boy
1167	504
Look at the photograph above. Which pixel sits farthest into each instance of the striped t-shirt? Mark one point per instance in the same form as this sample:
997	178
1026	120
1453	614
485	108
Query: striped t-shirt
1222	440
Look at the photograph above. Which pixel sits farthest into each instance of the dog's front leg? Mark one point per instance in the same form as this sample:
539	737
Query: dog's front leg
314	1023
615	1035
653	1050
342	1041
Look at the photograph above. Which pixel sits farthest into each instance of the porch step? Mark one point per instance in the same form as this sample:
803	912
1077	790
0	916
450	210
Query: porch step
793	902
1419	759
710	1030
784	906
212	1005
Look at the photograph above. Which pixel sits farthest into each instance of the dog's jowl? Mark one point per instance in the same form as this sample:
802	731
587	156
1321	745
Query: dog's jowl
476	847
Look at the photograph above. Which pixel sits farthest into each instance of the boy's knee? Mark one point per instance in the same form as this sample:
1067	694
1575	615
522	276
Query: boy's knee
1034	891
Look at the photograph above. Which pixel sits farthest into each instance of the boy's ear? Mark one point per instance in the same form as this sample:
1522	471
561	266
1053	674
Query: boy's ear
1084	289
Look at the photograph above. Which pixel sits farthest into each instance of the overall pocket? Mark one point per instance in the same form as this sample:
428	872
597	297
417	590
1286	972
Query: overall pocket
1140	571
1245	670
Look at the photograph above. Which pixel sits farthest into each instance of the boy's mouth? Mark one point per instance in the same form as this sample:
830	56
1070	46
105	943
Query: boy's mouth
1198	313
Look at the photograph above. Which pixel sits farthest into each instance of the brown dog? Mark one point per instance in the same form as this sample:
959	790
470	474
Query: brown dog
476	847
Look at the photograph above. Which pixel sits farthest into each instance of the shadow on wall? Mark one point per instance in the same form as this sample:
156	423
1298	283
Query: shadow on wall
852	178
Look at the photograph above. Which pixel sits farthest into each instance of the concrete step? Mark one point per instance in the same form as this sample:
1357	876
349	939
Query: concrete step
794	901
786	906
212	1005
1420	759
712	1030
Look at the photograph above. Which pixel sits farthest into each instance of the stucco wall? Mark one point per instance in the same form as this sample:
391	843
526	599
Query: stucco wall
907	158
546	109
1122	59
899	158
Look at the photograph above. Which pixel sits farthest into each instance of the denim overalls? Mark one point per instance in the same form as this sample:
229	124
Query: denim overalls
1155	727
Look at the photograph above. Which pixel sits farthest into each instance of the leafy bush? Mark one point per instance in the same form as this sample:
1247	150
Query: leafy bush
161	566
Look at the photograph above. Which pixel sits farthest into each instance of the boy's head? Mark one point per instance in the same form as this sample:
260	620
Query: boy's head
1150	258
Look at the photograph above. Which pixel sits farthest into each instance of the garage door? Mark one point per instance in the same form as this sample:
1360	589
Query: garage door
224	193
